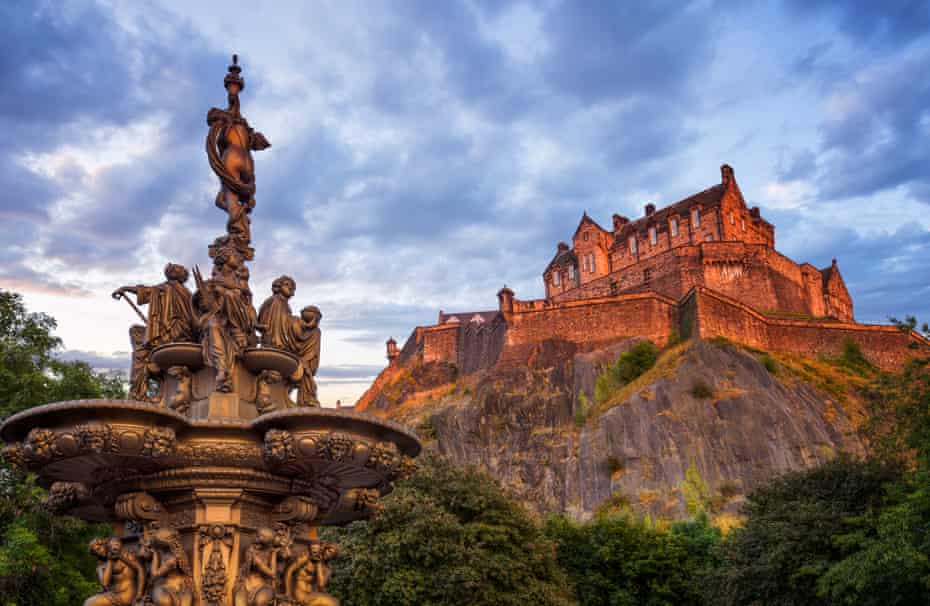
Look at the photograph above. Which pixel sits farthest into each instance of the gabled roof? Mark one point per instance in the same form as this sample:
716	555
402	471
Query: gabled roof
827	273
706	199
563	257
586	219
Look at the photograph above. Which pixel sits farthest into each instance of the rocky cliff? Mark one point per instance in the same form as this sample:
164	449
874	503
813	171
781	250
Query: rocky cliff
706	424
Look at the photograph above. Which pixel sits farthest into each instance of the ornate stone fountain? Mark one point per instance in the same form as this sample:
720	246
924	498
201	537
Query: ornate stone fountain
218	471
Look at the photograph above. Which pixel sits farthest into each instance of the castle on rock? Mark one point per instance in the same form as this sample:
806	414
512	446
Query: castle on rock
705	266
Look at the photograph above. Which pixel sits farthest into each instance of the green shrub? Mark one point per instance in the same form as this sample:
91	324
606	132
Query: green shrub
630	365
769	363
852	357
581	414
701	390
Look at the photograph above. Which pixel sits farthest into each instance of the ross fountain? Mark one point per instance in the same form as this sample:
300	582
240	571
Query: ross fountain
218	471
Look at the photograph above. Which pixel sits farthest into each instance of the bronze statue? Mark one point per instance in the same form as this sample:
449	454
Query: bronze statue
122	579
142	370
305	579
170	315
170	581
306	335
275	317
230	142
255	585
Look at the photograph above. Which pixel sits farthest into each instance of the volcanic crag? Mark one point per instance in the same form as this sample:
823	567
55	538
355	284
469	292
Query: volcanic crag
513	389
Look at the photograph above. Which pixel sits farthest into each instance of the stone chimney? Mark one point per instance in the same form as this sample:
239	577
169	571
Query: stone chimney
619	222
562	247
726	174
505	300
650	209
392	350
754	212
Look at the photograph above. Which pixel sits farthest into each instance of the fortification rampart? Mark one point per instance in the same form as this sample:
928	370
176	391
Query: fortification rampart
714	314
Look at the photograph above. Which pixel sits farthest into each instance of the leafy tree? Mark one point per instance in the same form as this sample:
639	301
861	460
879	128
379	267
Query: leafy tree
616	560
448	536
43	558
789	539
630	365
888	550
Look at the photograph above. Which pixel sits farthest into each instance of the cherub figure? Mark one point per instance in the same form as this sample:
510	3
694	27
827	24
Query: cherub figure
122	578
255	585
305	579
170	578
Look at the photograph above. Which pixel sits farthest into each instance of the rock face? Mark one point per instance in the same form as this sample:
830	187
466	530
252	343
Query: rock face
713	408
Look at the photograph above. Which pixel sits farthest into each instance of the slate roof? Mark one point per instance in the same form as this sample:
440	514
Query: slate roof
465	317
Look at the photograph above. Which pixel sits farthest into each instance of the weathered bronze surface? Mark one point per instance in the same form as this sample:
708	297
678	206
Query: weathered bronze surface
214	477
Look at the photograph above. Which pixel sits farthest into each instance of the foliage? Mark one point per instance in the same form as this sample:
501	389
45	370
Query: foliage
615	560
444	534
43	558
852	357
630	365
701	390
769	363
698	497
909	324
787	543
581	414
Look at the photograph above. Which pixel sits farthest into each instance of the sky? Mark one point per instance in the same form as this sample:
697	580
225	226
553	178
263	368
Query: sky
426	153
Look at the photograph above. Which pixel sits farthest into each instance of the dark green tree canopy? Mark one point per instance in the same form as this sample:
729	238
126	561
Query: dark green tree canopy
449	536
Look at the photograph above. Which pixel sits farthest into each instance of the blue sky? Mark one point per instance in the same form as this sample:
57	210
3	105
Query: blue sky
426	153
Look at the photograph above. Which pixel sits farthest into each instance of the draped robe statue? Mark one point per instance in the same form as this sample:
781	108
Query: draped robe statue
170	313
305	332
274	316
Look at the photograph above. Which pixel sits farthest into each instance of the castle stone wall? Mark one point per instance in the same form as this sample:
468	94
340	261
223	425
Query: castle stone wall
717	315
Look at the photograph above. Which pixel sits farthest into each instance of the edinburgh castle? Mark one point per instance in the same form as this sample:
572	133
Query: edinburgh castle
705	266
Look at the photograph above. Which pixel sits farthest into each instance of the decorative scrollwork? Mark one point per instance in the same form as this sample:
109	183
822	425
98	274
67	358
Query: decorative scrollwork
158	442
40	445
337	447
94	437
278	447
64	496
15	457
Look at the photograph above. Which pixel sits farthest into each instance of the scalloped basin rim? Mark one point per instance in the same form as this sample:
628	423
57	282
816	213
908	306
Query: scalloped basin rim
13	427
389	430
18	425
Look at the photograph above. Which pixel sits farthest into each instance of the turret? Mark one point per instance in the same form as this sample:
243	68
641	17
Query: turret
505	300
392	350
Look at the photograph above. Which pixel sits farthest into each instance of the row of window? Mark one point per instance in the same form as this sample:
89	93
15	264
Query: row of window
557	276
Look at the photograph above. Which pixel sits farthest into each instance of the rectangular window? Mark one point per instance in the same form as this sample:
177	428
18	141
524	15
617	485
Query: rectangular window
633	244
710	237
555	278
696	218
673	226
592	263
742	223
584	263
571	273
732	219
647	276
653	239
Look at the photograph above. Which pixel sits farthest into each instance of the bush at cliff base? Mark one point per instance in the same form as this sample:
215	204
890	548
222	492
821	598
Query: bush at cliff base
448	536
617	559
43	559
